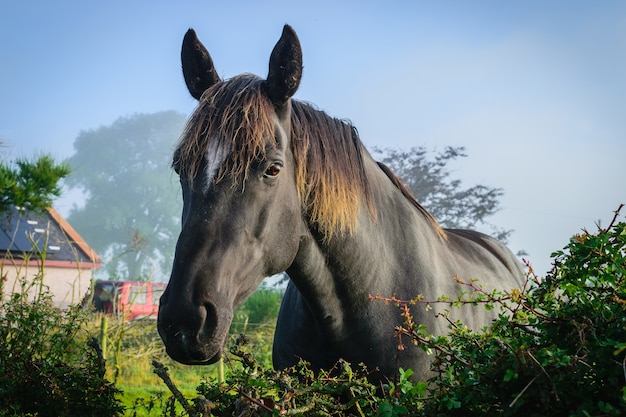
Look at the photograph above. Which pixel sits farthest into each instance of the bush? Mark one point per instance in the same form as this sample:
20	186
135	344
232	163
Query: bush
48	365
260	309
253	390
558	347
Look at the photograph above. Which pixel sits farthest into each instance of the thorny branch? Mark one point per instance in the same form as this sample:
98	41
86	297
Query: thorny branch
488	297
202	406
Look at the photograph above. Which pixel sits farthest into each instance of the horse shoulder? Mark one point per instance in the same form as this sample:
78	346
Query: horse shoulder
298	336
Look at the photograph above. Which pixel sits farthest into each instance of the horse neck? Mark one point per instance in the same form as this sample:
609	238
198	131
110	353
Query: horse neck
335	277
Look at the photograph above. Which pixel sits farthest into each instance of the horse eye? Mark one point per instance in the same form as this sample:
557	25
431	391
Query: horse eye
273	170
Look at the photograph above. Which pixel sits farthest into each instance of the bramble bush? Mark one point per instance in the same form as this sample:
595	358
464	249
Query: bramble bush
48	365
558	347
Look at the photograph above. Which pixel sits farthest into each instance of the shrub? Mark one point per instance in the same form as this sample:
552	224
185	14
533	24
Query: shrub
558	347
253	390
48	366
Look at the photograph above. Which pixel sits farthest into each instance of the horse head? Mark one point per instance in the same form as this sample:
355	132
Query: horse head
241	212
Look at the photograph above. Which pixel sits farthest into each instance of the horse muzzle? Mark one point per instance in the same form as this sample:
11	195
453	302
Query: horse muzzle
194	336
189	349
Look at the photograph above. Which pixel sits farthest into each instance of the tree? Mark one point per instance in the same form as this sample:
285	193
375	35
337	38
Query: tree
430	182
132	206
31	184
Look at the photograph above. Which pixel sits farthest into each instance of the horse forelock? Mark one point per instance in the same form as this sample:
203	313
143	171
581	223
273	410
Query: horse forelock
235	119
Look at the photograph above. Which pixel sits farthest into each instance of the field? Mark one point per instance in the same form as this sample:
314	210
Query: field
76	362
130	348
558	347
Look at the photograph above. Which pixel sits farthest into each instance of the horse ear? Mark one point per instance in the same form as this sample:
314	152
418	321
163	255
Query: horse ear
198	68
285	70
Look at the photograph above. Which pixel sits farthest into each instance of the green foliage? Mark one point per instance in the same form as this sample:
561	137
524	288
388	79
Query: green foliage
403	395
130	347
256	318
48	366
255	390
262	306
558	347
32	184
260	309
124	172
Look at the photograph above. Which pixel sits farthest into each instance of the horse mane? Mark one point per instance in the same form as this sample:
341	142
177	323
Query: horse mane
330	172
236	118
409	196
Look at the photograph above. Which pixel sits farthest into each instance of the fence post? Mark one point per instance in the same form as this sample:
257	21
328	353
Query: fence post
220	371
104	326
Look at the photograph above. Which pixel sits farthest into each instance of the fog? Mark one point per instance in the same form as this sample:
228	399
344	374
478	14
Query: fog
534	90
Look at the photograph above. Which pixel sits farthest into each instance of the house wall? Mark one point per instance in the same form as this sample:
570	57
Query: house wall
68	284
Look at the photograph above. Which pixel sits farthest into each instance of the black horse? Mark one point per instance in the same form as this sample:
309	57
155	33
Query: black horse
271	184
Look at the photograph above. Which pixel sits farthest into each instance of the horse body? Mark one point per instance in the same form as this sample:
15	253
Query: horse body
271	184
400	254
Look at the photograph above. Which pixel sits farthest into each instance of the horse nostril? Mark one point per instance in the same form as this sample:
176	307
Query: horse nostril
187	324
210	320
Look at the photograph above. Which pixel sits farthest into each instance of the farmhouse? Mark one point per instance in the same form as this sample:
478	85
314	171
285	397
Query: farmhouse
34	242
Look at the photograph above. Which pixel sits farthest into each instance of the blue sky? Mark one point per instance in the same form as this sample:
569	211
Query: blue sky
535	90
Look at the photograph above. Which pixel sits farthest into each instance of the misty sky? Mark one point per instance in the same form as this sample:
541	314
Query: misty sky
535	90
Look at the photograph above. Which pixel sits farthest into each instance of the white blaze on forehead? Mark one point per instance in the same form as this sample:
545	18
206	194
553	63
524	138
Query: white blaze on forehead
215	155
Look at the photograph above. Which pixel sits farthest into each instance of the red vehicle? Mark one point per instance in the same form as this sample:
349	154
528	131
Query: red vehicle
129	299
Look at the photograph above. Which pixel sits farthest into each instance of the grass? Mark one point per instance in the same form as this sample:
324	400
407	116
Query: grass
129	349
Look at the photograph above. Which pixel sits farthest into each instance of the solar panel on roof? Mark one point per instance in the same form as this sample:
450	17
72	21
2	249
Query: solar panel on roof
18	235
6	243
18	224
